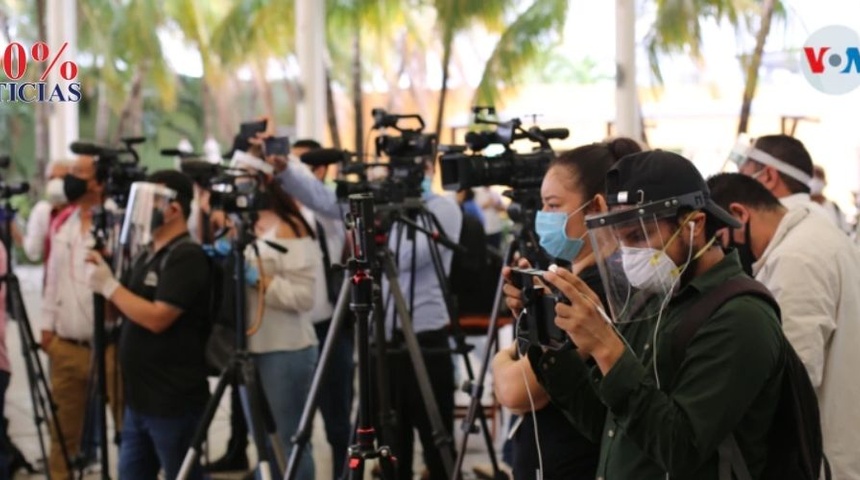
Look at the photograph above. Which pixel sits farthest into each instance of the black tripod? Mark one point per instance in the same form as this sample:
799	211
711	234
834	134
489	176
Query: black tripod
525	204
44	408
242	373
95	432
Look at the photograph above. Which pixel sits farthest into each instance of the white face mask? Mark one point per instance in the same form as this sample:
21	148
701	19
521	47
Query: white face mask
649	269
54	193
816	186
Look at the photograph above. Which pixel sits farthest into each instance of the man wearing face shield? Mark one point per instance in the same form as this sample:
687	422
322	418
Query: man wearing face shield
783	165
813	270
164	301
67	312
656	255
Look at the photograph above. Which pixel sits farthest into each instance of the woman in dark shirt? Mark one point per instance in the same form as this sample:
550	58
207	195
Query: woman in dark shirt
572	188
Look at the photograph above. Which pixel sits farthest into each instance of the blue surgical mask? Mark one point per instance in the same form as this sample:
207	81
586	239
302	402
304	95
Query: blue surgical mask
551	228
426	185
223	246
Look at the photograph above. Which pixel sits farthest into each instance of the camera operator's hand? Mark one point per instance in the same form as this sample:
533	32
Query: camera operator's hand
582	320
99	275
513	295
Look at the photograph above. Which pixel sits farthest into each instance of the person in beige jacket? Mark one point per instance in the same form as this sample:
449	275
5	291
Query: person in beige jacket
813	271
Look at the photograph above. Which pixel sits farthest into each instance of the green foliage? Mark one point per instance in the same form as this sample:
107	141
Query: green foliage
525	41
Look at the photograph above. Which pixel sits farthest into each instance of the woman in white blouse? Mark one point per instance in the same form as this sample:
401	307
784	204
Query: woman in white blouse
280	294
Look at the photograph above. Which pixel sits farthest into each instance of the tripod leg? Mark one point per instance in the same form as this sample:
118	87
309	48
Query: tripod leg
259	415
430	221
477	387
44	408
205	421
442	438
303	433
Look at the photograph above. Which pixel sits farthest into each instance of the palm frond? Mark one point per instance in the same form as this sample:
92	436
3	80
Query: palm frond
532	34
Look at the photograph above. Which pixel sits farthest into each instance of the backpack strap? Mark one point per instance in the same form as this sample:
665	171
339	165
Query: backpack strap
182	241
703	309
731	458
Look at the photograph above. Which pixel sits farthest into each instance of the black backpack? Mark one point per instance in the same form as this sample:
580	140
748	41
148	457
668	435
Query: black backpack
471	283
795	450
210	330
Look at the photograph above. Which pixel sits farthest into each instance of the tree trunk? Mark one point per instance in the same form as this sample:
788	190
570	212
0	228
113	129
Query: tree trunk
356	89
206	104
42	118
102	113
331	112
443	92
126	118
753	64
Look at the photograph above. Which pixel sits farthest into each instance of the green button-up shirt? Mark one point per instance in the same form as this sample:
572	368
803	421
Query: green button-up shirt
727	382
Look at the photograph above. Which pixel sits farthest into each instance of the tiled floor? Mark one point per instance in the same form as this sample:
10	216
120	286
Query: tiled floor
23	431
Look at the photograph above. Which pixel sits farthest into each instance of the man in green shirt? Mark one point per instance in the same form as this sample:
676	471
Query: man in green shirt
658	413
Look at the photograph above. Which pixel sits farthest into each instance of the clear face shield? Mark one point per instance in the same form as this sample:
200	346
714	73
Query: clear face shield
630	247
745	151
144	215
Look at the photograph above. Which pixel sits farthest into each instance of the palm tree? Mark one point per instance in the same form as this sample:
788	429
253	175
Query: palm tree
527	39
123	39
752	64
678	29
454	17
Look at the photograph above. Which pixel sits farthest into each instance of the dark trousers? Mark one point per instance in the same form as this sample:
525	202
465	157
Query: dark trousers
408	404
150	442
335	396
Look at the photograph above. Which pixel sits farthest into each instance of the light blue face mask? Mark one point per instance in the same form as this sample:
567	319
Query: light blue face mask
551	228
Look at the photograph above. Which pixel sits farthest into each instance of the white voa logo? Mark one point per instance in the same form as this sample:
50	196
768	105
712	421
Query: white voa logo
831	60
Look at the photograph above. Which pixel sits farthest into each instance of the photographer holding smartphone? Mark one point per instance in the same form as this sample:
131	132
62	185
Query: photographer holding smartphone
572	188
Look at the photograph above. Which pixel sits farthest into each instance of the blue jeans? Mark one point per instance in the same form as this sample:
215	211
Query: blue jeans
335	396
286	377
149	441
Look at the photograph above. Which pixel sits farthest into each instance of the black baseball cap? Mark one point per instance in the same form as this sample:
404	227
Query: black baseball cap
646	178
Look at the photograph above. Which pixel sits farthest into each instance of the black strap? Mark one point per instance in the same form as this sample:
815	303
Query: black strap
321	238
730	456
701	311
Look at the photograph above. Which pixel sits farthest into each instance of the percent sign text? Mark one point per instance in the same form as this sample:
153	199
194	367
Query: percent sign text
15	61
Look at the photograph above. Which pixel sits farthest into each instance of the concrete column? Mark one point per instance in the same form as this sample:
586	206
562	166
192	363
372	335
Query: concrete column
63	116
626	111
310	46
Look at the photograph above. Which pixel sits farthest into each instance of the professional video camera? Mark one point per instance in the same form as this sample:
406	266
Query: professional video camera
118	167
511	168
406	154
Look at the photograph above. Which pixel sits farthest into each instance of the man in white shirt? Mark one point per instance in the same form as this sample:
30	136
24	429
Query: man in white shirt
813	271
67	315
492	206
816	193
783	165
34	240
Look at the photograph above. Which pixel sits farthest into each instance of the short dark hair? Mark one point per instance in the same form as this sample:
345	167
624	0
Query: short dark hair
588	164
179	183
728	188
308	143
791	151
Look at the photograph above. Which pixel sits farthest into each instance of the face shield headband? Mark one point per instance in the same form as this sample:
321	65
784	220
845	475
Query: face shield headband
630	251
743	152
144	215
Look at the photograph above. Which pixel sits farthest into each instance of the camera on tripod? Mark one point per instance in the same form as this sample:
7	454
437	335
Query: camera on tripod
238	191
406	155
118	167
516	170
